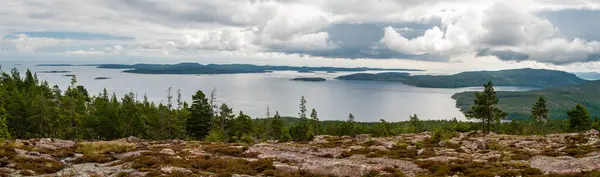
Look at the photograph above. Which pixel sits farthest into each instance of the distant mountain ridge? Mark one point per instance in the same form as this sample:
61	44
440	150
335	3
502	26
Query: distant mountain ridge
540	78
196	68
560	100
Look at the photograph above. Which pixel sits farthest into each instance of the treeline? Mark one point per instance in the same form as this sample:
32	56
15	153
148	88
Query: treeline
30	108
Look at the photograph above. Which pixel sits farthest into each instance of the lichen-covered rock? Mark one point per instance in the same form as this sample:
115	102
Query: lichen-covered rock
167	152
53	144
565	164
170	169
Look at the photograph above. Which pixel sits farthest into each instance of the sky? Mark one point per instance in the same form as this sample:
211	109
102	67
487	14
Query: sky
450	35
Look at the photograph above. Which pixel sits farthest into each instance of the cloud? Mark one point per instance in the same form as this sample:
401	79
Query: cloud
548	31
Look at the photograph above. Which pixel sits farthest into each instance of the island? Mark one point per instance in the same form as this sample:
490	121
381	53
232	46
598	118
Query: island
62	64
196	68
310	79
53	72
101	78
559	100
69	75
539	78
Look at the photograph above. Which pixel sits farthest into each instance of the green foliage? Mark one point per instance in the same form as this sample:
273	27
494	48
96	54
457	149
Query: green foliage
285	135
514	77
4	134
539	111
198	124
242	126
314	122
579	119
415	123
484	108
558	100
216	135
277	127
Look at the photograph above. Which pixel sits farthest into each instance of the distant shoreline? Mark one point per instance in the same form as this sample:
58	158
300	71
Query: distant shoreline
196	68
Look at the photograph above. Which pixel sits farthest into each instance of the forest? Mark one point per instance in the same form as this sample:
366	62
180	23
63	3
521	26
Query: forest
538	78
30	108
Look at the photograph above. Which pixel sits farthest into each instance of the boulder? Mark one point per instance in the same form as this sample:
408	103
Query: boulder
170	169
133	139
565	164
167	151
592	132
53	144
481	144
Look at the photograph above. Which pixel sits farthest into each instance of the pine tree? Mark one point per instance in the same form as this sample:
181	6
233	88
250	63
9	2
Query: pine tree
198	123
302	132
244	126
349	126
579	119
315	122
415	123
539	111
384	128
484	108
4	132
277	126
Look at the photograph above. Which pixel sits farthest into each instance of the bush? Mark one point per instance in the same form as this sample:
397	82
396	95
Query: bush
103	147
216	136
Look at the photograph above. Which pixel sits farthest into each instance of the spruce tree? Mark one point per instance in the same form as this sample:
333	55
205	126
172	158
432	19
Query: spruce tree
579	119
4	133
415	123
277	127
539	111
350	126
315	122
198	123
484	108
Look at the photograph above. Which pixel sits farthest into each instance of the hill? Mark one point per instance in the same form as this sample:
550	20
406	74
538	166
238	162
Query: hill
560	100
539	78
196	68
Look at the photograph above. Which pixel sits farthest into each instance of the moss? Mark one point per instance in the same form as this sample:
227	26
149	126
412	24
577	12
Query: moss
521	155
96	158
235	166
372	143
222	149
39	165
580	151
26	173
104	147
494	145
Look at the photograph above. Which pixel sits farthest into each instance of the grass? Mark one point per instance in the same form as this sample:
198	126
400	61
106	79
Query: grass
99	152
473	169
104	147
223	149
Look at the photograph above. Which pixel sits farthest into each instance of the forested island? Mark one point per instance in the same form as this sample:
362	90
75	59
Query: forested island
102	78
310	79
54	71
539	78
196	68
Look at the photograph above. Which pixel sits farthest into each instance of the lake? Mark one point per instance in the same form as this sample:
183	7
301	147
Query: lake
252	93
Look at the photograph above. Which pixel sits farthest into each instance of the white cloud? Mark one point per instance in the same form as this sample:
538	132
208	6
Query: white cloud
189	27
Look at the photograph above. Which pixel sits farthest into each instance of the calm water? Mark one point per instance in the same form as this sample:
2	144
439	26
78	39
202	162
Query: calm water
252	93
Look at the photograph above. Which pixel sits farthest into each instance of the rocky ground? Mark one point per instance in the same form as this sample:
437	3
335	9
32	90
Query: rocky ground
423	154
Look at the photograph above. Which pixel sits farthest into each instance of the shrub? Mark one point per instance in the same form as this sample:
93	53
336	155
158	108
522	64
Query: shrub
103	147
222	149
